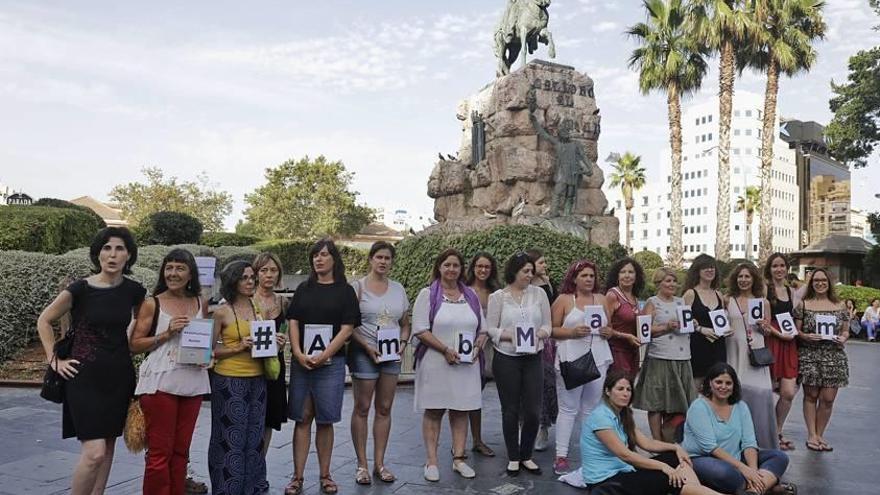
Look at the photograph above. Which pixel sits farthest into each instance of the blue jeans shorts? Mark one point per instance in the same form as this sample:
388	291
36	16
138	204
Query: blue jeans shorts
362	367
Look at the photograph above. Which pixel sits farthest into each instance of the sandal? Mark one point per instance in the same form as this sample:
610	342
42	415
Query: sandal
785	444
463	456
328	485
195	487
384	475
815	446
826	447
362	476
295	487
787	488
483	450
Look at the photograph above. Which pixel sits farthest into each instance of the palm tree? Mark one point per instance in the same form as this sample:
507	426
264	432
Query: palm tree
724	26
629	175
669	60
749	203
783	45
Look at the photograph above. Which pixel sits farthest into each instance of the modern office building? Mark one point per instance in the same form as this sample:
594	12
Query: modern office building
650	216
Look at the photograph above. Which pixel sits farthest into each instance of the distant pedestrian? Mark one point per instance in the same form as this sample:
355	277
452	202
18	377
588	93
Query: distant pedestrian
448	321
383	305
871	319
823	365
99	374
549	406
170	392
518	376
323	303
624	283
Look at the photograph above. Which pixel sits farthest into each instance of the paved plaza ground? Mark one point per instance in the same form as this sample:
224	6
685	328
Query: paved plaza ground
34	459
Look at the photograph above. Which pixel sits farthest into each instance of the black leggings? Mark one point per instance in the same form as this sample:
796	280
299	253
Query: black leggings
640	481
519	380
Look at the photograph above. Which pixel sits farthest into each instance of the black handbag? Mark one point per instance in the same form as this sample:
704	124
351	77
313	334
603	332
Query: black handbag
53	383
758	356
580	371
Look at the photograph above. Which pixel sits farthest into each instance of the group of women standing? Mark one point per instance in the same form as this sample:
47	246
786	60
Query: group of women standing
465	326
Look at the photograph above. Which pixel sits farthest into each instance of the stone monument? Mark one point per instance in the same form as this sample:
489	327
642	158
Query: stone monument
528	154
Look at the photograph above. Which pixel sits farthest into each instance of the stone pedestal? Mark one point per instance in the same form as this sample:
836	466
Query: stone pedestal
513	183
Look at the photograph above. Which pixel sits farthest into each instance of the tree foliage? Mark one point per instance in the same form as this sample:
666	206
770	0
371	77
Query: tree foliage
138	200
306	199
169	228
628	174
854	132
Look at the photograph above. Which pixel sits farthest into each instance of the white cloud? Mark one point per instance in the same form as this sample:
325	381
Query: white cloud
605	26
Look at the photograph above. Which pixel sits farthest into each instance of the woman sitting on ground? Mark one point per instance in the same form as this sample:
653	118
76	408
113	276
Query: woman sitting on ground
720	437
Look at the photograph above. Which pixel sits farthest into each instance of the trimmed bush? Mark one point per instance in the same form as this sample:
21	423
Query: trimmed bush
415	255
46	229
150	257
217	239
861	295
29	282
169	228
60	203
294	255
649	260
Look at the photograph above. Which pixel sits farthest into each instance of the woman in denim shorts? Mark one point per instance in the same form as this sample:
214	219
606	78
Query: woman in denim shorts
383	305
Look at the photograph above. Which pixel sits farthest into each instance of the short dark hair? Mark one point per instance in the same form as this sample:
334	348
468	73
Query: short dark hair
435	272
701	262
338	264
757	280
492	281
179	255
229	277
103	236
514	264
535	254
714	372
613	276
380	245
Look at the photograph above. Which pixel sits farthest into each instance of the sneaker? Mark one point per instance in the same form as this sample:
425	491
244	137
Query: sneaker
463	469
432	473
561	466
542	440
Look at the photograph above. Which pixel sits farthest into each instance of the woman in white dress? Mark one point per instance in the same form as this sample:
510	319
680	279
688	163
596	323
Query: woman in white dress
745	283
578	290
447	319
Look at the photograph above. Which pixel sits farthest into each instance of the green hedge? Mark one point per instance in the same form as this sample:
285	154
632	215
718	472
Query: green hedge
650	261
60	203
46	229
217	239
29	282
861	295
294	255
169	228
151	256
415	255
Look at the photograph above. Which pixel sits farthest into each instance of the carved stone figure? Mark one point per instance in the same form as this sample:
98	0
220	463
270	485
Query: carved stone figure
478	138
522	27
572	163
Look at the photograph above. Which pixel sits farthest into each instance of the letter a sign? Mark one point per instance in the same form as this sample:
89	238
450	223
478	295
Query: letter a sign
525	339
316	339
720	323
465	347
594	318
756	311
644	326
388	340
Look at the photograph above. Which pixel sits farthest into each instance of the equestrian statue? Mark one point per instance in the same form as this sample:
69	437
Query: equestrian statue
522	27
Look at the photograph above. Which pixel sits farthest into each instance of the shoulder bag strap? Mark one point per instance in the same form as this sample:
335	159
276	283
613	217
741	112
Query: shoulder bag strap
155	323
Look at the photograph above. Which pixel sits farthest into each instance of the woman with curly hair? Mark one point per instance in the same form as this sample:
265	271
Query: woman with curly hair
623	284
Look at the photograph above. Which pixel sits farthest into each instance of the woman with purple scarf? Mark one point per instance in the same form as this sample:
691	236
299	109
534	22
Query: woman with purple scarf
447	319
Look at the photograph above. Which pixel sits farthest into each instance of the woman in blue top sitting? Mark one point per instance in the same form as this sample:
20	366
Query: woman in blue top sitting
720	437
610	463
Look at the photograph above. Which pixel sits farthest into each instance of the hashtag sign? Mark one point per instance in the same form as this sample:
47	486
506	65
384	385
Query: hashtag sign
263	335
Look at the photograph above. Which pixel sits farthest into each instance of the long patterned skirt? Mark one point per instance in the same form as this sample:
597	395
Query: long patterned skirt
238	417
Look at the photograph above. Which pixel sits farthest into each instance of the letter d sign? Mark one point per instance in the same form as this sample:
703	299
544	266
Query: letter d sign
756	311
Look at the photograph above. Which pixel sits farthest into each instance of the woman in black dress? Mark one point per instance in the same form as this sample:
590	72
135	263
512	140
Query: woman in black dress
99	372
701	294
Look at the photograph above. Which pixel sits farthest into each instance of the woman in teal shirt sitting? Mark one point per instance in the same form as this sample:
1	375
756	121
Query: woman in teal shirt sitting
610	463
720	436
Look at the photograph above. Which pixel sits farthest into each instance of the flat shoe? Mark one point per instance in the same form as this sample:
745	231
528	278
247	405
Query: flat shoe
535	470
463	469
432	473
484	450
384	475
362	477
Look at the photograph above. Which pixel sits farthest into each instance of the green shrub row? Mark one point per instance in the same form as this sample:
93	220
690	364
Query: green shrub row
415	255
46	229
60	203
217	239
861	295
169	228
294	255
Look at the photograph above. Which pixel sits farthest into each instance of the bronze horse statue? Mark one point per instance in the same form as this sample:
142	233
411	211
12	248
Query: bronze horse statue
522	27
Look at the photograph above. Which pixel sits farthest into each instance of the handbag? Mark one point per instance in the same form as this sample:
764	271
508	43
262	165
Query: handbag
135	432
53	383
758	356
271	367
580	371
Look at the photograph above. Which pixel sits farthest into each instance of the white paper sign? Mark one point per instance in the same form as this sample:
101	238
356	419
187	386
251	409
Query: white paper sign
464	346
720	322
316	339
643	324
685	319
786	323
825	326
388	340
197	334
526	338
207	265
756	311
263	334
594	318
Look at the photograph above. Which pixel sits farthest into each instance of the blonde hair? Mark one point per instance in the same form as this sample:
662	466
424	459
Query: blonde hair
263	259
663	272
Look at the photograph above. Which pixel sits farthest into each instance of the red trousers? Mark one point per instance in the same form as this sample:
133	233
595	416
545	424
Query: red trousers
171	420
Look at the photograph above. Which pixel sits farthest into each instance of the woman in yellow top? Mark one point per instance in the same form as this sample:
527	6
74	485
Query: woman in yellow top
238	391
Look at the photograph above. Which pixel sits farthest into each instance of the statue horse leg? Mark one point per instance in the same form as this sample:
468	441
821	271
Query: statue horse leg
547	36
524	40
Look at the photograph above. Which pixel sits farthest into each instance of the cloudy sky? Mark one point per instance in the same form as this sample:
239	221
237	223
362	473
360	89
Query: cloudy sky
91	91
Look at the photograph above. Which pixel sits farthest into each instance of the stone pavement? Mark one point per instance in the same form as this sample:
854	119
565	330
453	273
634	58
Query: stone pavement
34	460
